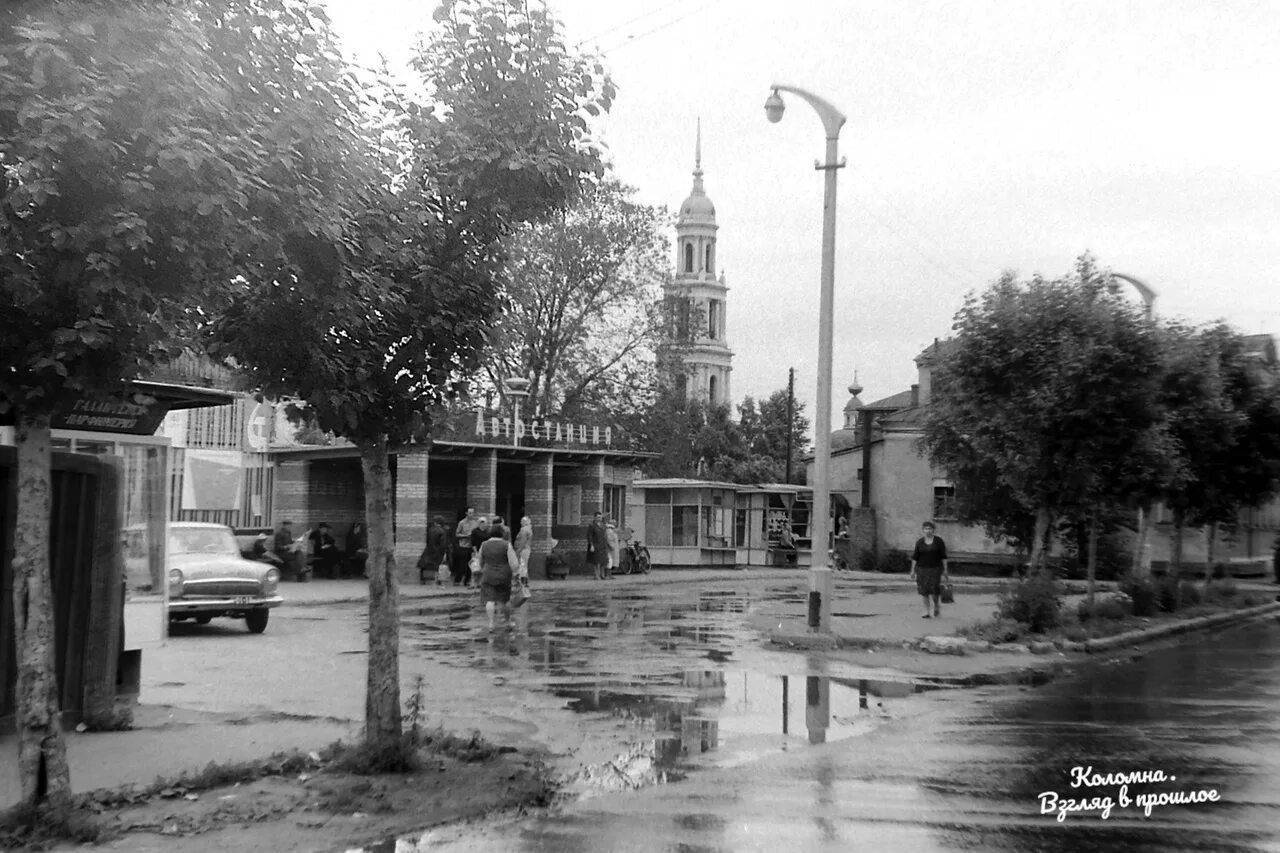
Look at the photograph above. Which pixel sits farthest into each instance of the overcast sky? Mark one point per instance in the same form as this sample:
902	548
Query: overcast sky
981	137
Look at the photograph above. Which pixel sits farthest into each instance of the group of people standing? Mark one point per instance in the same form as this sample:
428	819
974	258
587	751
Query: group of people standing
604	549
481	554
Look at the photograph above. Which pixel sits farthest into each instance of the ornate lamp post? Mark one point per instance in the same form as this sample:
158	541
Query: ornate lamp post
517	388
820	580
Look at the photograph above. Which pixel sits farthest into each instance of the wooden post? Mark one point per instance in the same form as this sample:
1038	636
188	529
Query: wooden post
106	604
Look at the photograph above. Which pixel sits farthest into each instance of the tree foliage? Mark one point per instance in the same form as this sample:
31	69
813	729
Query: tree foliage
582	316
1050	399
701	441
149	153
390	319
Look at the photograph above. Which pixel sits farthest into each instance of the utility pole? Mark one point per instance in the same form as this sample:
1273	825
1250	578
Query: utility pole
791	403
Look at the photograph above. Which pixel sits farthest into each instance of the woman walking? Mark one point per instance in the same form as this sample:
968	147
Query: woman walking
524	546
498	564
929	568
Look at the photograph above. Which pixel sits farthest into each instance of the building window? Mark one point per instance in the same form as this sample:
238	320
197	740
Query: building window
713	318
711	391
684	526
740	528
710	267
944	501
688	257
615	504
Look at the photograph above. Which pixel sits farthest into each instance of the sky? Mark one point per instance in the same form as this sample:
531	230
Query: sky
982	136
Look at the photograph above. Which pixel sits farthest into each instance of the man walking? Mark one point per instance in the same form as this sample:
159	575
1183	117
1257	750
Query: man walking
597	546
462	546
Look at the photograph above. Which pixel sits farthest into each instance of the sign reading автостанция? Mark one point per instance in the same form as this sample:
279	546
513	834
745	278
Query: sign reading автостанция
542	430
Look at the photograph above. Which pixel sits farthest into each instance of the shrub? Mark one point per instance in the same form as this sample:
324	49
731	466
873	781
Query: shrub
997	630
1167	593
1221	591
1108	607
866	560
1142	592
1220	571
1034	601
1190	594
895	562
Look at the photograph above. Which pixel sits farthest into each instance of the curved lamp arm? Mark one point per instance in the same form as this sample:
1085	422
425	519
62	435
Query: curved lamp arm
1148	294
832	118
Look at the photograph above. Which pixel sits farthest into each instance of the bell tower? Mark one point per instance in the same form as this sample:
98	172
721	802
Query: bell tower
697	294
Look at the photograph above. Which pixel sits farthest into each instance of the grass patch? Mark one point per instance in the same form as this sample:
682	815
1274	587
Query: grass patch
26	828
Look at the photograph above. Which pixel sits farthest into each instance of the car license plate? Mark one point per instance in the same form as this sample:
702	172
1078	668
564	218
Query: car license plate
241	599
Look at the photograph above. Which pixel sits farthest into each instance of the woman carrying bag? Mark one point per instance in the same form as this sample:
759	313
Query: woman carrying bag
498	565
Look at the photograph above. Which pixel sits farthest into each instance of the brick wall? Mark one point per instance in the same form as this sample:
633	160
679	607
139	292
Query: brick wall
410	510
290	492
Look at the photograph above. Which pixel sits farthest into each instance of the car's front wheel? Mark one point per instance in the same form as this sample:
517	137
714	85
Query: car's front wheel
256	620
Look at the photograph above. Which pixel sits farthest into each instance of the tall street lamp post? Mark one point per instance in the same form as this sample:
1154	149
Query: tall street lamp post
820	580
517	388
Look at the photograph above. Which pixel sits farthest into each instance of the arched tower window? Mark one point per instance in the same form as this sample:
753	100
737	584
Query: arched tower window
682	384
713	318
710	267
688	257
711	391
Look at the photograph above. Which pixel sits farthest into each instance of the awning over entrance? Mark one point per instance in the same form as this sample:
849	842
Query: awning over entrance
138	411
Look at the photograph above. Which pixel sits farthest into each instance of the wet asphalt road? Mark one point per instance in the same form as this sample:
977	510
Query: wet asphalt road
733	748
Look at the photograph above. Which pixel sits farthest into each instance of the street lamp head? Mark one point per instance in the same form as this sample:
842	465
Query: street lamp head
517	386
774	107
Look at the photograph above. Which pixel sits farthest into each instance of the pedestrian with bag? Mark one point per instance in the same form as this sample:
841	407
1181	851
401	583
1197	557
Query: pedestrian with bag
597	546
498	565
479	535
929	568
462	546
435	552
524	548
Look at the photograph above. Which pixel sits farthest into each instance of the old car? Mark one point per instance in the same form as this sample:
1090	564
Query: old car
208	577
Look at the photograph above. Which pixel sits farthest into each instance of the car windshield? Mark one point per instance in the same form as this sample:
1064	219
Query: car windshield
201	540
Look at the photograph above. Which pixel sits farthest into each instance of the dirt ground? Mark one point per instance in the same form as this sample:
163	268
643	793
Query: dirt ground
319	809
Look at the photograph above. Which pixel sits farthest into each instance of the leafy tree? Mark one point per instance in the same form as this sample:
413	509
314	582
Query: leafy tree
1053	390
149	154
582	317
1223	410
391	320
764	428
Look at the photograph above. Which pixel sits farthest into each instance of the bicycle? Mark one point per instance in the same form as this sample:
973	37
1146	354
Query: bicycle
634	558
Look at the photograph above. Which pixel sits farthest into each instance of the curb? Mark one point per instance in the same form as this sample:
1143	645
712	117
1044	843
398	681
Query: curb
821	641
1103	644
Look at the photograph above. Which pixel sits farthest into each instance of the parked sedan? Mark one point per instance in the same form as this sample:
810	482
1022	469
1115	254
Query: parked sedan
208	577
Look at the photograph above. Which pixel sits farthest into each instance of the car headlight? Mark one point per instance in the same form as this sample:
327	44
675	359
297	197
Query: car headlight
272	577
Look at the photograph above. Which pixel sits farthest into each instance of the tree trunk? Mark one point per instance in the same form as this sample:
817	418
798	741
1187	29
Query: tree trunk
1175	559
42	750
1092	560
382	696
1040	541
1141	568
1211	536
1175	552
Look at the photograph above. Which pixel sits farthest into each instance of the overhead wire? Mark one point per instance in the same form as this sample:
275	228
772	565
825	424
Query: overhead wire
640	17
633	39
